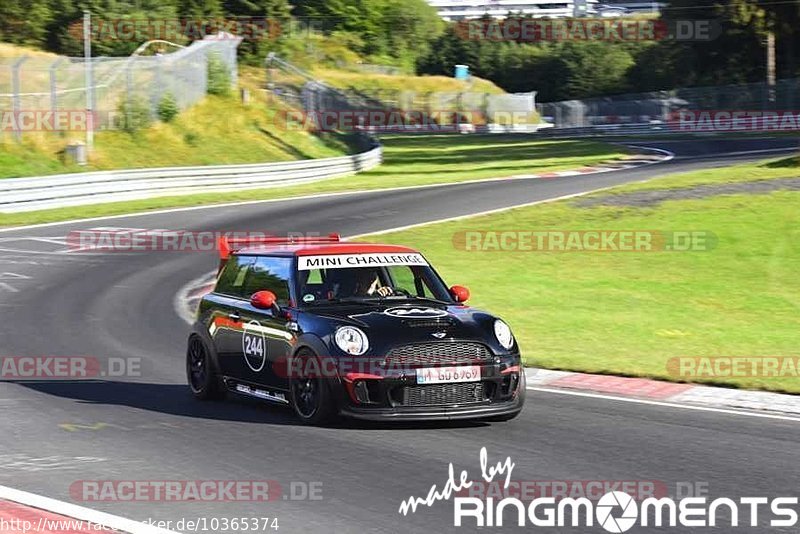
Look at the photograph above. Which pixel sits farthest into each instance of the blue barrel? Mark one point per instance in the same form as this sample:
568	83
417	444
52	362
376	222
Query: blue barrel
462	72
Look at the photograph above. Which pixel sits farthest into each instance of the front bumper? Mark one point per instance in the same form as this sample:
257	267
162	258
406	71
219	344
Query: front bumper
435	413
501	392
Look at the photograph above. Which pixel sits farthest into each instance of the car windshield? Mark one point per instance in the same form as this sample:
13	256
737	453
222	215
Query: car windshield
396	282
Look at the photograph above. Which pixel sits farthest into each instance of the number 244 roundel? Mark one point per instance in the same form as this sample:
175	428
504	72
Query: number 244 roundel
254	347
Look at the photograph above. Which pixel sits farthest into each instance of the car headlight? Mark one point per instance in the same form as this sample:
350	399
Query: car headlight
352	340
503	334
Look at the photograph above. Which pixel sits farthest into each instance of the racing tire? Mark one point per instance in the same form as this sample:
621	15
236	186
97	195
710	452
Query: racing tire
310	397
201	373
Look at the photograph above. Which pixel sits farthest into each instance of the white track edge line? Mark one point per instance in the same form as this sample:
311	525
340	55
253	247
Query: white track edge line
480	213
477	214
76	512
181	297
664	404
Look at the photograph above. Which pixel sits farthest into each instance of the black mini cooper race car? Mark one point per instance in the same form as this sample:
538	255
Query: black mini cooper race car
362	330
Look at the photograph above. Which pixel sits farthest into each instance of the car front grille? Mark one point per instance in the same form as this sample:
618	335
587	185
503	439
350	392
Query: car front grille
445	353
443	394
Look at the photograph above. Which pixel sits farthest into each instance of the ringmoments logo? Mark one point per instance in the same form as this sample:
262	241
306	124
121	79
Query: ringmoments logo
615	511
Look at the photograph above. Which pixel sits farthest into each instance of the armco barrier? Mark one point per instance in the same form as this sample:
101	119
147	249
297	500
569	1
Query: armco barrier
610	130
541	130
62	190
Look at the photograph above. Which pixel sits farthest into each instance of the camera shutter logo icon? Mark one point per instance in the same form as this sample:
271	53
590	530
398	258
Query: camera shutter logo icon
608	503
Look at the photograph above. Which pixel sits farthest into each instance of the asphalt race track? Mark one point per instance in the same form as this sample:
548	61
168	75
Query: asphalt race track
149	428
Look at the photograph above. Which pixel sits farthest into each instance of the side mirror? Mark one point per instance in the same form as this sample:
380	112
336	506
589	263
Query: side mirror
460	293
265	300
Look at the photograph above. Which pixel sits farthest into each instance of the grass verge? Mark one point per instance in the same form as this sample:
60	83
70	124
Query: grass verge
409	161
630	313
371	84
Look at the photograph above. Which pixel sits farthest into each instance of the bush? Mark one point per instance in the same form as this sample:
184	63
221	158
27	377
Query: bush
219	79
134	114
168	108
191	138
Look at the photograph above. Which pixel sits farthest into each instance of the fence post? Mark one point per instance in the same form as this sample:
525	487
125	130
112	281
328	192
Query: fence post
459	106
89	79
233	65
156	95
128	86
16	99
54	84
269	63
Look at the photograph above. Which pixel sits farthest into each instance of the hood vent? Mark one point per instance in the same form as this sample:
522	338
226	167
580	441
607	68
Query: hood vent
438	322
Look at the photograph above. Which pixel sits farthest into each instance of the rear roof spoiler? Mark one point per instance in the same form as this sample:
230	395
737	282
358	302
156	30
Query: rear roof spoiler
228	245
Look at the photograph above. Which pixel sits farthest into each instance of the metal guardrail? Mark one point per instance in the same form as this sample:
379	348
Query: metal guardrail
606	130
715	127
541	130
63	190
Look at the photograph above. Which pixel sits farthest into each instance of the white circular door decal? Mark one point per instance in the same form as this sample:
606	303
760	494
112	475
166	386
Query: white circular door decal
254	346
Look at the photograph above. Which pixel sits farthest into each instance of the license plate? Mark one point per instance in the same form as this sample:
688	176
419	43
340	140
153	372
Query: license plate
446	375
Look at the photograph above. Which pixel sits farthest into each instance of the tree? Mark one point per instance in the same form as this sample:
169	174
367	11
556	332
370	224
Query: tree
736	55
784	19
24	21
109	35
394	31
263	24
200	9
